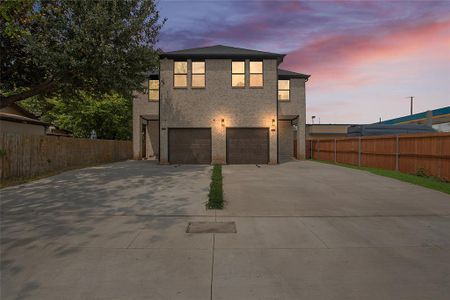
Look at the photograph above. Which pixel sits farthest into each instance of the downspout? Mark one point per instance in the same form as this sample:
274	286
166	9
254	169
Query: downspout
278	128
159	111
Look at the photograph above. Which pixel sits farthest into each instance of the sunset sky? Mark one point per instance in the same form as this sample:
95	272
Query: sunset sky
365	57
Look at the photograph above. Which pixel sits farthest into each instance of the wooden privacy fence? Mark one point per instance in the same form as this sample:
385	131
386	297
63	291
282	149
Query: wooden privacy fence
428	153
24	156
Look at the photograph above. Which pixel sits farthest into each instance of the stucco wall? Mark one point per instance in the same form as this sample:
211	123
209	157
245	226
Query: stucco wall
248	107
141	106
21	128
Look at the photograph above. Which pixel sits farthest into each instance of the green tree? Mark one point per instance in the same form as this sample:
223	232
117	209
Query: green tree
65	48
110	116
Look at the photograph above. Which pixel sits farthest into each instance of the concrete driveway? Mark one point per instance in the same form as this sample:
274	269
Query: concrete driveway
305	230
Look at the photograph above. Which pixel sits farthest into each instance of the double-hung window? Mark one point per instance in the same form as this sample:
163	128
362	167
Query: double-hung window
153	90
198	74
180	74
238	74
256	74
283	90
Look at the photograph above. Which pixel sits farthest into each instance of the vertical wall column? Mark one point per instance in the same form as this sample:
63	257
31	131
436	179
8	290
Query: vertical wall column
164	144
218	140
301	141
273	145
301	130
137	148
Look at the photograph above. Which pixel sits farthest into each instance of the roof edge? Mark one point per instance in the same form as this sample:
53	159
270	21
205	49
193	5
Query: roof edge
233	53
286	74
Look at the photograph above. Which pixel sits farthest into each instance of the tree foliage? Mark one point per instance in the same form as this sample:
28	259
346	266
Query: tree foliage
110	116
64	48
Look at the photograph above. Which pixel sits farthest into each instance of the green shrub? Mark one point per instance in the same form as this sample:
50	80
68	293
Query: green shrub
215	196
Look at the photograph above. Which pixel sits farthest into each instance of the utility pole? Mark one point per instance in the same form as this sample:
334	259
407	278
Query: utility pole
412	99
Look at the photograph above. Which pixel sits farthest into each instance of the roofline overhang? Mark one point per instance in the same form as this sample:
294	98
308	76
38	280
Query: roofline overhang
278	57
301	76
287	117
23	120
153	117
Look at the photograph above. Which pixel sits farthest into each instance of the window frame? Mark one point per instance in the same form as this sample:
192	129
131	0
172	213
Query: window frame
150	89
192	74
245	75
250	74
186	74
284	90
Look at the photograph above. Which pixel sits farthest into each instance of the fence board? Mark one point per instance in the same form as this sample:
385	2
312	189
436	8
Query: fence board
32	155
378	152
347	151
428	153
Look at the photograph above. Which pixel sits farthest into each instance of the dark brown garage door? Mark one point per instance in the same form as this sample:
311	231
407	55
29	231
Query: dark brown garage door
247	145
190	145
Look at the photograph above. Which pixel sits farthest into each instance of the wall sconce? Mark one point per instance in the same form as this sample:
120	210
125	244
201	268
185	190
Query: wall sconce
222	122
273	122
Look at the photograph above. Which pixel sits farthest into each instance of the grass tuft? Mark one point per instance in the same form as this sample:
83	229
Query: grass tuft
420	178
215	196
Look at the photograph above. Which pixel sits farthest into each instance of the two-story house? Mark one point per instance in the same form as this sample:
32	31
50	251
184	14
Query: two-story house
220	105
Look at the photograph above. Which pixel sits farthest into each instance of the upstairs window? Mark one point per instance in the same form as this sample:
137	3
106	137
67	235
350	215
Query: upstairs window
238	74
198	74
256	74
153	90
180	74
283	90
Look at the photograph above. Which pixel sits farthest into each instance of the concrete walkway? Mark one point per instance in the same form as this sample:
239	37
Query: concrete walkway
304	231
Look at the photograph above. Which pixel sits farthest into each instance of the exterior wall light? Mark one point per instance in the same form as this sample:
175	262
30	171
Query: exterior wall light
223	122
273	122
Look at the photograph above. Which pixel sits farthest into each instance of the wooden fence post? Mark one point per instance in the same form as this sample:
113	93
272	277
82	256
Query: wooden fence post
396	152
359	151
441	147
335	154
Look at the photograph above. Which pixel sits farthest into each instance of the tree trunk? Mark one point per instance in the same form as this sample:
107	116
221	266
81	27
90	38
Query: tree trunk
46	86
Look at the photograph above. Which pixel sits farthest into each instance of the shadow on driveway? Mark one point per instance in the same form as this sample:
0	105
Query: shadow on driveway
105	206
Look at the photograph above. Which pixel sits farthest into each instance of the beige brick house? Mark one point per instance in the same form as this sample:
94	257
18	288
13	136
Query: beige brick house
220	105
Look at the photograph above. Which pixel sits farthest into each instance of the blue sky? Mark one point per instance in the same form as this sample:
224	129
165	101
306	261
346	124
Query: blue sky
365	57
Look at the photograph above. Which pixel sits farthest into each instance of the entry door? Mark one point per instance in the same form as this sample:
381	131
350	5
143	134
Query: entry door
190	145
247	145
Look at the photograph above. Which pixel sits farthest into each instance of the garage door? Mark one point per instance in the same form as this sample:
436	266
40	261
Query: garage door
247	145
190	145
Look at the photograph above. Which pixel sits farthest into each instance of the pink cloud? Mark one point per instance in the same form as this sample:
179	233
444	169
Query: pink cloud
337	56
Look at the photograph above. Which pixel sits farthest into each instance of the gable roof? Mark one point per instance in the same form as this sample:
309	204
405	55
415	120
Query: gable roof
285	74
221	51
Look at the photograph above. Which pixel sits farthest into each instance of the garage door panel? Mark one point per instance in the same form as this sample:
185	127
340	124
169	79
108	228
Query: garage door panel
247	145
190	145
